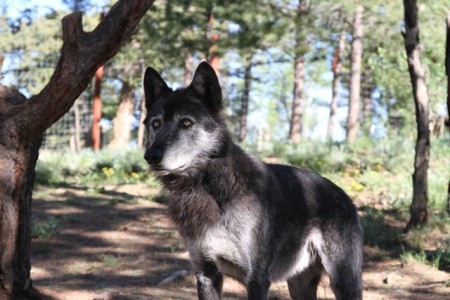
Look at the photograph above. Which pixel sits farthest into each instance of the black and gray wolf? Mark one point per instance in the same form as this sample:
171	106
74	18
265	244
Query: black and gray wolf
238	216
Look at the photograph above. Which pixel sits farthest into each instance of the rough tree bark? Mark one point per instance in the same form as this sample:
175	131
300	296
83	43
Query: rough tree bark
123	121
245	99
418	209
22	122
447	72
447	68
336	68
298	101
355	77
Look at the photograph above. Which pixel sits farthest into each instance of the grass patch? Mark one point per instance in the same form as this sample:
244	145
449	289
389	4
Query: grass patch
93	169
44	229
108	260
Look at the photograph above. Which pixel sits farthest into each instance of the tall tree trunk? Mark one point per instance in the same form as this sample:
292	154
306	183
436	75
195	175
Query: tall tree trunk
211	54
97	106
366	93
75	129
1	65
447	68
355	77
336	68
142	114
123	121
23	121
298	101
188	67
141	129
447	72
418	209
245	98
97	110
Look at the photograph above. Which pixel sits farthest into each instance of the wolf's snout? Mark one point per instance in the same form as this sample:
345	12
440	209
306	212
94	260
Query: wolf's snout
153	156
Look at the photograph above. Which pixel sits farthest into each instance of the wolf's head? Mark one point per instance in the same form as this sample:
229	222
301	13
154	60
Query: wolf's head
184	126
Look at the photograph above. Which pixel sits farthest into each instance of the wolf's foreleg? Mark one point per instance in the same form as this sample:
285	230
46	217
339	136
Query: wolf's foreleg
209	282
258	289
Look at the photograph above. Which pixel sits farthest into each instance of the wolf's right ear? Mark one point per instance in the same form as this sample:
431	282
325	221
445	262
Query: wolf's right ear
154	87
206	85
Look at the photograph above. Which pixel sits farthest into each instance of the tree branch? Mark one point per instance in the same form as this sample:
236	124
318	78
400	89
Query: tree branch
81	55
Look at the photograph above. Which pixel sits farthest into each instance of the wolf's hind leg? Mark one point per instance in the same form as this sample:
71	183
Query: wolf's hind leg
303	286
346	282
342	260
209	282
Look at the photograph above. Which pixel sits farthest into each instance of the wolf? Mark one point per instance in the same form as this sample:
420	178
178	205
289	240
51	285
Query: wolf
238	216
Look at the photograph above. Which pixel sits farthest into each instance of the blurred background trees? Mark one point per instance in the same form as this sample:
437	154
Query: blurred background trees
292	72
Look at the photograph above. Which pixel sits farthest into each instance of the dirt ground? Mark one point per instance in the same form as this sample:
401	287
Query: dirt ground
118	244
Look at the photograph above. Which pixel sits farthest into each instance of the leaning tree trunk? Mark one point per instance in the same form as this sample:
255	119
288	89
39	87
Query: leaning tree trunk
336	68
123	121
245	99
22	122
418	209
355	77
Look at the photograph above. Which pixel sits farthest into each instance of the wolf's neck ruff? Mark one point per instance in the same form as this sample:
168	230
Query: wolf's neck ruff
197	200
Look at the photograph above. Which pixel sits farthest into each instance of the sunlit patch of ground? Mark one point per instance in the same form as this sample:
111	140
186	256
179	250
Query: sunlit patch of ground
118	244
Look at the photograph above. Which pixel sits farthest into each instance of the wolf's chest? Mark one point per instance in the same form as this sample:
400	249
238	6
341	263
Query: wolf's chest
231	244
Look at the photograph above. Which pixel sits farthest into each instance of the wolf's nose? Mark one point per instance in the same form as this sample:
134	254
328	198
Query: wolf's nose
153	156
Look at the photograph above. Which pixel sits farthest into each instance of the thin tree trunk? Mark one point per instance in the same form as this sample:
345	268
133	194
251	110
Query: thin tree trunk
1	65
447	72
336	68
447	68
298	101
97	110
245	99
211	54
418	209
23	121
77	126
123	121
188	67
355	77
366	93
141	129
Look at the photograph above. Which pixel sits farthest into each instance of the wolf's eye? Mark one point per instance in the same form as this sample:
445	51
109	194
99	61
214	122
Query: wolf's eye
186	123
156	123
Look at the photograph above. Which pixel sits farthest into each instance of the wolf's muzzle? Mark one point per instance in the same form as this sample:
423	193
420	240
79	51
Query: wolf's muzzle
153	156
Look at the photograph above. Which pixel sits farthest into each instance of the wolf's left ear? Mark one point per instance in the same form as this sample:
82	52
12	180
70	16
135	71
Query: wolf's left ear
206	85
154	87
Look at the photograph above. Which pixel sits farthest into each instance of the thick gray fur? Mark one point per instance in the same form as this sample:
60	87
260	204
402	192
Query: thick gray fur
238	216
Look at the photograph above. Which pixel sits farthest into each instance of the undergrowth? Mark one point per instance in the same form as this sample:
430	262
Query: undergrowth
375	173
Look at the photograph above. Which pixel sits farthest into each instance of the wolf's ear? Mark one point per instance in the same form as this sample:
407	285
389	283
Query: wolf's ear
154	87
206	85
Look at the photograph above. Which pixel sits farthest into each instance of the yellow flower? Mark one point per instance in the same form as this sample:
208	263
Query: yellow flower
134	175
378	167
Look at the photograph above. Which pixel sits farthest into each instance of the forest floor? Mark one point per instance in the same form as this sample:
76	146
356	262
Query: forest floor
117	243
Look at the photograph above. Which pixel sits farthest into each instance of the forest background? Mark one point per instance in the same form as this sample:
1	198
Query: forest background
322	85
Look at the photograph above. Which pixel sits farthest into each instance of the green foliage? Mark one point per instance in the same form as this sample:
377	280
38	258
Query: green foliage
45	229
108	260
93	168
381	167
